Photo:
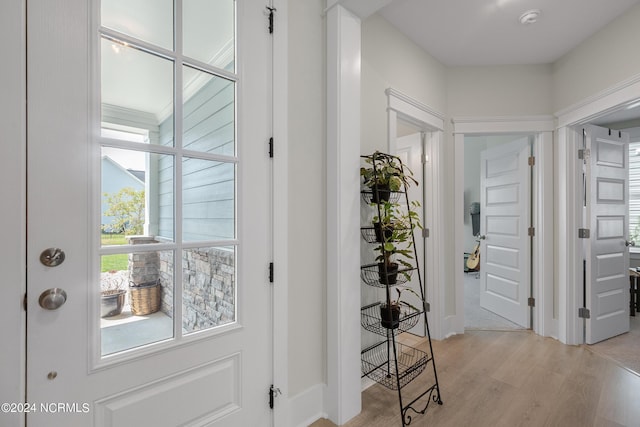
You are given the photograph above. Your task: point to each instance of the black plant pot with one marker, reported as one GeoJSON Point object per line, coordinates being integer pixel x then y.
{"type": "Point", "coordinates": [392, 273]}
{"type": "Point", "coordinates": [380, 193]}
{"type": "Point", "coordinates": [389, 315]}
{"type": "Point", "coordinates": [377, 227]}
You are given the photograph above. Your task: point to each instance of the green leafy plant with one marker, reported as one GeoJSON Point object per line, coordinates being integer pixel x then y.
{"type": "Point", "coordinates": [391, 309]}
{"type": "Point", "coordinates": [396, 224]}
{"type": "Point", "coordinates": [388, 173]}
{"type": "Point", "coordinates": [399, 301]}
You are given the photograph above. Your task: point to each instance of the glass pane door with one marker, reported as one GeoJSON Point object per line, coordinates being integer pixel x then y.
{"type": "Point", "coordinates": [168, 163]}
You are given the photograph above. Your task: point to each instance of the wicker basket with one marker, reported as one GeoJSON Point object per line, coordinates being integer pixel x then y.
{"type": "Point", "coordinates": [145, 298]}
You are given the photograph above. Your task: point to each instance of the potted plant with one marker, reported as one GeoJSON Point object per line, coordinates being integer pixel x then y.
{"type": "Point", "coordinates": [113, 287]}
{"type": "Point", "coordinates": [385, 175]}
{"type": "Point", "coordinates": [390, 310]}
{"type": "Point", "coordinates": [396, 226]}
{"type": "Point", "coordinates": [392, 217]}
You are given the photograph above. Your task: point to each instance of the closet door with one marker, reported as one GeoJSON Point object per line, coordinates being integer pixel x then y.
{"type": "Point", "coordinates": [607, 253]}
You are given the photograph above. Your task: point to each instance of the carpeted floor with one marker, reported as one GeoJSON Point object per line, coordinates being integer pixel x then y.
{"type": "Point", "coordinates": [624, 349]}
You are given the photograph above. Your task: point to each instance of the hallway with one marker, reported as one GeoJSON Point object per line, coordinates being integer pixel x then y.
{"type": "Point", "coordinates": [515, 378]}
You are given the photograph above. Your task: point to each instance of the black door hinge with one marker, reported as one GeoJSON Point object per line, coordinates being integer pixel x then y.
{"type": "Point", "coordinates": [24, 302]}
{"type": "Point", "coordinates": [271, 147]}
{"type": "Point", "coordinates": [273, 393]}
{"type": "Point", "coordinates": [270, 272]}
{"type": "Point", "coordinates": [271, 15]}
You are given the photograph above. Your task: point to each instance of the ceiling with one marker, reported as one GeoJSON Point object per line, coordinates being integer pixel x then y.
{"type": "Point", "coordinates": [488, 32]}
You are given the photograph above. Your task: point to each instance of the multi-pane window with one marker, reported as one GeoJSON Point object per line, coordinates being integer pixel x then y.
{"type": "Point", "coordinates": [168, 169]}
{"type": "Point", "coordinates": [634, 191]}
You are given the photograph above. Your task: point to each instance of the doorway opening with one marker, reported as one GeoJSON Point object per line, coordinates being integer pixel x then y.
{"type": "Point", "coordinates": [624, 348]}
{"type": "Point", "coordinates": [538, 128]}
{"type": "Point", "coordinates": [498, 282]}
{"type": "Point", "coordinates": [415, 134]}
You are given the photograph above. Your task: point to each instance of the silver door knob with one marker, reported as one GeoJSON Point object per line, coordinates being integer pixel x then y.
{"type": "Point", "coordinates": [483, 237]}
{"type": "Point", "coordinates": [52, 299]}
{"type": "Point", "coordinates": [629, 243]}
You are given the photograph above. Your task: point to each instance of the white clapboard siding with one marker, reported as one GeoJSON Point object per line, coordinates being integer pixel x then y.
{"type": "Point", "coordinates": [208, 118]}
{"type": "Point", "coordinates": [208, 189]}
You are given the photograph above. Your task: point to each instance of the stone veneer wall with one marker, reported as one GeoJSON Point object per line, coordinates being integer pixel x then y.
{"type": "Point", "coordinates": [143, 266]}
{"type": "Point", "coordinates": [208, 282]}
{"type": "Point", "coordinates": [208, 286]}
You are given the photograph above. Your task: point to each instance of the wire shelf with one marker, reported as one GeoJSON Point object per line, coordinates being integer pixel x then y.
{"type": "Point", "coordinates": [378, 363]}
{"type": "Point", "coordinates": [382, 196]}
{"type": "Point", "coordinates": [372, 276]}
{"type": "Point", "coordinates": [374, 234]}
{"type": "Point", "coordinates": [370, 234]}
{"type": "Point", "coordinates": [371, 321]}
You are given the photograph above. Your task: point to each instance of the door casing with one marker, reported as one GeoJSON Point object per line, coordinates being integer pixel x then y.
{"type": "Point", "coordinates": [543, 321]}
{"type": "Point", "coordinates": [569, 274]}
{"type": "Point", "coordinates": [13, 218]}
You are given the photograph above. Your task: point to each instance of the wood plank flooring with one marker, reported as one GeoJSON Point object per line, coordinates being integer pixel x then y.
{"type": "Point", "coordinates": [491, 378]}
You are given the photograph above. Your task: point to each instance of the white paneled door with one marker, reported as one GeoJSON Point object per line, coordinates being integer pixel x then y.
{"type": "Point", "coordinates": [409, 150]}
{"type": "Point", "coordinates": [148, 181]}
{"type": "Point", "coordinates": [505, 249]}
{"type": "Point", "coordinates": [607, 254]}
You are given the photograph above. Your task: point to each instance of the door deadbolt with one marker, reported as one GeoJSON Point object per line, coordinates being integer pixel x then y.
{"type": "Point", "coordinates": [52, 257]}
{"type": "Point", "coordinates": [52, 299]}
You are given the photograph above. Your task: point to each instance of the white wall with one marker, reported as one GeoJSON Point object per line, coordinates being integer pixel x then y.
{"type": "Point", "coordinates": [389, 59]}
{"type": "Point", "coordinates": [307, 201]}
{"type": "Point", "coordinates": [508, 90]}
{"type": "Point", "coordinates": [12, 216]}
{"type": "Point", "coordinates": [605, 59]}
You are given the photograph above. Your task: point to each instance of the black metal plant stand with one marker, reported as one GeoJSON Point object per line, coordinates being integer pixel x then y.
{"type": "Point", "coordinates": [388, 362]}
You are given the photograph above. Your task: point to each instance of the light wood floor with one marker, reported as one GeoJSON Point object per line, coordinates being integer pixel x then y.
{"type": "Point", "coordinates": [490, 378]}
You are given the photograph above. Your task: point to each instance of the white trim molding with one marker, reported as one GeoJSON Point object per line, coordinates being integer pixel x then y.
{"type": "Point", "coordinates": [569, 274]}
{"type": "Point", "coordinates": [544, 322]}
{"type": "Point", "coordinates": [503, 124]}
{"type": "Point", "coordinates": [360, 8]}
{"type": "Point", "coordinates": [13, 184]}
{"type": "Point", "coordinates": [413, 110]}
{"type": "Point", "coordinates": [283, 407]}
{"type": "Point", "coordinates": [601, 103]}
{"type": "Point", "coordinates": [430, 121]}
{"type": "Point", "coordinates": [343, 397]}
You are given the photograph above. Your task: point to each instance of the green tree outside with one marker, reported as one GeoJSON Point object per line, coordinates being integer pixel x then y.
{"type": "Point", "coordinates": [127, 208]}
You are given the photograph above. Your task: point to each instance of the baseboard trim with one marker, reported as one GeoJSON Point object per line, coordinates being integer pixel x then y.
{"type": "Point", "coordinates": [449, 326]}
{"type": "Point", "coordinates": [307, 407]}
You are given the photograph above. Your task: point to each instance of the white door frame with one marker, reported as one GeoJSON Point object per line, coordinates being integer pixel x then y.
{"type": "Point", "coordinates": [280, 214]}
{"type": "Point", "coordinates": [13, 218]}
{"type": "Point", "coordinates": [541, 127]}
{"type": "Point", "coordinates": [568, 200]}
{"type": "Point", "coordinates": [401, 106]}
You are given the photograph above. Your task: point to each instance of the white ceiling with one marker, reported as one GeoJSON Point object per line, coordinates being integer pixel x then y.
{"type": "Point", "coordinates": [487, 32]}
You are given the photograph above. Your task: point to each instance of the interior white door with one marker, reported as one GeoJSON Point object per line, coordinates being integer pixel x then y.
{"type": "Point", "coordinates": [134, 80]}
{"type": "Point", "coordinates": [409, 150]}
{"type": "Point", "coordinates": [607, 277]}
{"type": "Point", "coordinates": [505, 248]}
